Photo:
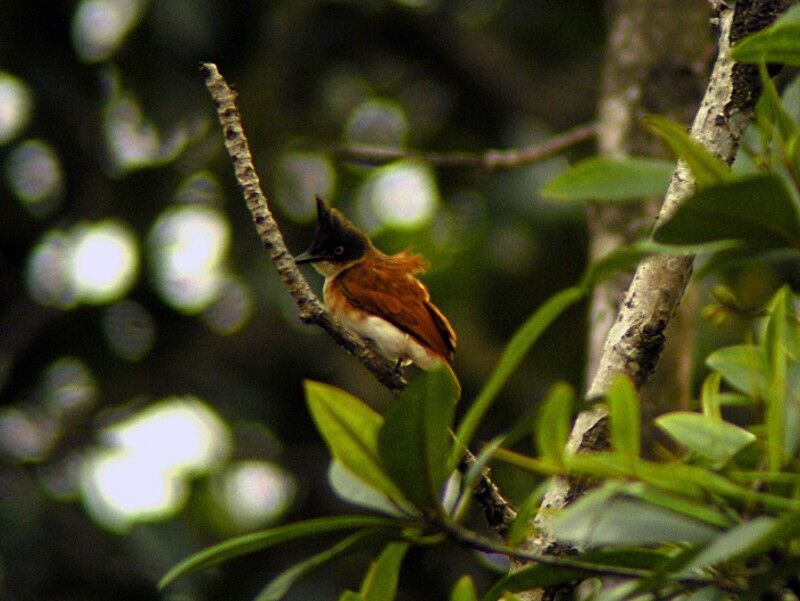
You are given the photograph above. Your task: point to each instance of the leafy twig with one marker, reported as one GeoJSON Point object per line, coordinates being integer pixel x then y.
{"type": "Point", "coordinates": [634, 343]}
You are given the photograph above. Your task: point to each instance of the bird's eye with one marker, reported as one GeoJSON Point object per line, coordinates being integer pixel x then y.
{"type": "Point", "coordinates": [338, 250]}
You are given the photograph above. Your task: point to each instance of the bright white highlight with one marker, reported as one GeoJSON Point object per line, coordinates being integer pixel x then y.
{"type": "Point", "coordinates": [188, 245]}
{"type": "Point", "coordinates": [403, 194]}
{"type": "Point", "coordinates": [16, 106]}
{"type": "Point", "coordinates": [142, 473]}
{"type": "Point", "coordinates": [104, 262]}
{"type": "Point", "coordinates": [256, 492]}
{"type": "Point", "coordinates": [99, 26]}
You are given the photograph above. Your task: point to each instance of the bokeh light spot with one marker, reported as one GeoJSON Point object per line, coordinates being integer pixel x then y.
{"type": "Point", "coordinates": [129, 329]}
{"type": "Point", "coordinates": [69, 386]}
{"type": "Point", "coordinates": [16, 106]}
{"type": "Point", "coordinates": [188, 245]}
{"type": "Point", "coordinates": [47, 272]}
{"type": "Point", "coordinates": [34, 174]}
{"type": "Point", "coordinates": [105, 261]}
{"type": "Point", "coordinates": [232, 307]}
{"type": "Point", "coordinates": [120, 487]}
{"type": "Point", "coordinates": [141, 473]}
{"type": "Point", "coordinates": [23, 436]}
{"type": "Point", "coordinates": [300, 177]}
{"type": "Point", "coordinates": [256, 493]}
{"type": "Point", "coordinates": [377, 122]}
{"type": "Point", "coordinates": [403, 194]}
{"type": "Point", "coordinates": [99, 26]}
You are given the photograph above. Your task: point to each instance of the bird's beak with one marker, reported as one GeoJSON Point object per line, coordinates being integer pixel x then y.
{"type": "Point", "coordinates": [307, 257]}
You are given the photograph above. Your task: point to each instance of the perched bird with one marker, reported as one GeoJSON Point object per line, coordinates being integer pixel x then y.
{"type": "Point", "coordinates": [376, 295]}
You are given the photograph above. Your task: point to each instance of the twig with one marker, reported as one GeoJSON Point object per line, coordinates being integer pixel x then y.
{"type": "Point", "coordinates": [492, 160]}
{"type": "Point", "coordinates": [484, 545]}
{"type": "Point", "coordinates": [311, 309]}
{"type": "Point", "coordinates": [634, 343]}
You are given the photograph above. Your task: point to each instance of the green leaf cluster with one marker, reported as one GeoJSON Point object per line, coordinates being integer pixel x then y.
{"type": "Point", "coordinates": [720, 518]}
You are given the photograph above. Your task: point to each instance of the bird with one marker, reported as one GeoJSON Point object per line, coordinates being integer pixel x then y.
{"type": "Point", "coordinates": [377, 295]}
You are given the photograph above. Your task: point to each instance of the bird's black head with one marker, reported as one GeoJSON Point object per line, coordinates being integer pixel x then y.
{"type": "Point", "coordinates": [336, 240]}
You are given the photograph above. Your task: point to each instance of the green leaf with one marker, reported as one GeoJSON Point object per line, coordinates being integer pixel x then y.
{"type": "Point", "coordinates": [778, 43]}
{"type": "Point", "coordinates": [380, 583]}
{"type": "Point", "coordinates": [464, 590]}
{"type": "Point", "coordinates": [523, 524]}
{"type": "Point", "coordinates": [515, 351]}
{"type": "Point", "coordinates": [604, 517]}
{"type": "Point", "coordinates": [257, 541]}
{"type": "Point", "coordinates": [706, 168]}
{"type": "Point", "coordinates": [699, 510]}
{"type": "Point", "coordinates": [758, 211]}
{"type": "Point", "coordinates": [414, 443]}
{"type": "Point", "coordinates": [626, 419]}
{"type": "Point", "coordinates": [350, 429]}
{"type": "Point", "coordinates": [711, 437]}
{"type": "Point", "coordinates": [536, 576]}
{"type": "Point", "coordinates": [606, 179]}
{"type": "Point", "coordinates": [350, 596]}
{"type": "Point", "coordinates": [351, 488]}
{"type": "Point", "coordinates": [736, 542]}
{"type": "Point", "coordinates": [709, 396]}
{"type": "Point", "coordinates": [775, 346]}
{"type": "Point", "coordinates": [743, 366]}
{"type": "Point", "coordinates": [771, 110]}
{"type": "Point", "coordinates": [552, 429]}
{"type": "Point", "coordinates": [276, 589]}
{"type": "Point", "coordinates": [644, 559]}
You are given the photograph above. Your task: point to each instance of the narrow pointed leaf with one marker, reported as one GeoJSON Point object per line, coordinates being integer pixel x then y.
{"type": "Point", "coordinates": [603, 517]}
{"type": "Point", "coordinates": [776, 343]}
{"type": "Point", "coordinates": [351, 488]}
{"type": "Point", "coordinates": [414, 443]}
{"type": "Point", "coordinates": [257, 541]}
{"type": "Point", "coordinates": [683, 504]}
{"type": "Point", "coordinates": [552, 429]}
{"type": "Point", "coordinates": [380, 583]}
{"type": "Point", "coordinates": [711, 437]}
{"type": "Point", "coordinates": [757, 210]}
{"type": "Point", "coordinates": [778, 43]}
{"type": "Point", "coordinates": [515, 351]}
{"type": "Point", "coordinates": [537, 576]}
{"type": "Point", "coordinates": [626, 420]}
{"type": "Point", "coordinates": [464, 590]}
{"type": "Point", "coordinates": [744, 366]}
{"type": "Point", "coordinates": [276, 589]}
{"type": "Point", "coordinates": [350, 596]}
{"type": "Point", "coordinates": [706, 168]}
{"type": "Point", "coordinates": [770, 108]}
{"type": "Point", "coordinates": [350, 429]}
{"type": "Point", "coordinates": [606, 179]}
{"type": "Point", "coordinates": [710, 395]}
{"type": "Point", "coordinates": [736, 542]}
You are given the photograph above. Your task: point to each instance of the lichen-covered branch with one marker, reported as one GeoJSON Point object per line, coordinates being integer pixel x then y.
{"type": "Point", "coordinates": [497, 509]}
{"type": "Point", "coordinates": [635, 341]}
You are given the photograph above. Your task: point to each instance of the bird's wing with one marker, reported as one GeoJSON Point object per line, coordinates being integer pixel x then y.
{"type": "Point", "coordinates": [403, 301]}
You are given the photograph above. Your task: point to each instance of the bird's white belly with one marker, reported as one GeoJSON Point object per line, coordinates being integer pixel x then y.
{"type": "Point", "coordinates": [387, 339]}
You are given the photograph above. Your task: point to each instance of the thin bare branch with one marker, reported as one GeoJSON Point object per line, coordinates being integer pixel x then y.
{"type": "Point", "coordinates": [492, 160]}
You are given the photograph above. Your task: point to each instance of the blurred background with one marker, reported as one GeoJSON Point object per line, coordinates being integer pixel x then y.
{"type": "Point", "coordinates": [151, 363]}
